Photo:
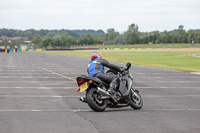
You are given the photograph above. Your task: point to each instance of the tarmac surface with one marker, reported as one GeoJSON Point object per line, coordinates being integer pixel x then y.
{"type": "Point", "coordinates": [38, 95]}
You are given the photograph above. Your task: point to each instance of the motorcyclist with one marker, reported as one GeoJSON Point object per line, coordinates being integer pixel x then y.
{"type": "Point", "coordinates": [96, 69]}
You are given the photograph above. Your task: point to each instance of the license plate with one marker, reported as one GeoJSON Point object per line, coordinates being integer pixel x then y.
{"type": "Point", "coordinates": [83, 87]}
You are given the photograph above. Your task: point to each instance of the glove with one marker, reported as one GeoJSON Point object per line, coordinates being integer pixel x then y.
{"type": "Point", "coordinates": [122, 69]}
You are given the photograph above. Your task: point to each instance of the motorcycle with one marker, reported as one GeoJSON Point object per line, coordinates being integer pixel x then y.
{"type": "Point", "coordinates": [98, 98]}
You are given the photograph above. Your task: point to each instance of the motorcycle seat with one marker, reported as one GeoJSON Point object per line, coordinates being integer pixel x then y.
{"type": "Point", "coordinates": [95, 79]}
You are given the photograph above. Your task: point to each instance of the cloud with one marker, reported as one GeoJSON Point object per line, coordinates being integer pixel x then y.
{"type": "Point", "coordinates": [99, 14]}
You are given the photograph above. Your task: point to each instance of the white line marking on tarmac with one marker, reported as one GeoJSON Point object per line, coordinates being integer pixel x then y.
{"type": "Point", "coordinates": [40, 88]}
{"type": "Point", "coordinates": [48, 110]}
{"type": "Point", "coordinates": [20, 70]}
{"type": "Point", "coordinates": [82, 110]}
{"type": "Point", "coordinates": [174, 73]}
{"type": "Point", "coordinates": [66, 81]}
{"type": "Point", "coordinates": [171, 109]}
{"type": "Point", "coordinates": [58, 96]}
{"type": "Point", "coordinates": [24, 77]}
{"type": "Point", "coordinates": [37, 96]}
{"type": "Point", "coordinates": [170, 96]}
{"type": "Point", "coordinates": [33, 82]}
{"type": "Point", "coordinates": [41, 70]}
{"type": "Point", "coordinates": [46, 88]}
{"type": "Point", "coordinates": [195, 73]}
{"type": "Point", "coordinates": [70, 72]}
{"type": "Point", "coordinates": [27, 73]}
{"type": "Point", "coordinates": [30, 77]}
{"type": "Point", "coordinates": [150, 77]}
{"type": "Point", "coordinates": [43, 73]}
{"type": "Point", "coordinates": [165, 87]}
{"type": "Point", "coordinates": [36, 82]}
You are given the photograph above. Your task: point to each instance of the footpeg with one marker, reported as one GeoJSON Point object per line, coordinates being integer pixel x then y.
{"type": "Point", "coordinates": [83, 99]}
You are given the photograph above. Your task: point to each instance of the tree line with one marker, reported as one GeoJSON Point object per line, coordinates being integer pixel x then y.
{"type": "Point", "coordinates": [66, 38]}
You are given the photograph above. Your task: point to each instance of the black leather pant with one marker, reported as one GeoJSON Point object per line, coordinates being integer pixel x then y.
{"type": "Point", "coordinates": [108, 78]}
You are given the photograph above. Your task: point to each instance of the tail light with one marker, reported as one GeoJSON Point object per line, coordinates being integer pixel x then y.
{"type": "Point", "coordinates": [80, 81]}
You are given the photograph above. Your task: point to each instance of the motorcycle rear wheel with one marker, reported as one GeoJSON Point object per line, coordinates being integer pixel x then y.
{"type": "Point", "coordinates": [136, 101]}
{"type": "Point", "coordinates": [94, 101]}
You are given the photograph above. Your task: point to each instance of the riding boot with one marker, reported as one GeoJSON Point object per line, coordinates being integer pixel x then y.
{"type": "Point", "coordinates": [112, 92]}
{"type": "Point", "coordinates": [111, 89]}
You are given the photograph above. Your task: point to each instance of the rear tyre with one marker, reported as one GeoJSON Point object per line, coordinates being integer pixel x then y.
{"type": "Point", "coordinates": [135, 100]}
{"type": "Point", "coordinates": [94, 100]}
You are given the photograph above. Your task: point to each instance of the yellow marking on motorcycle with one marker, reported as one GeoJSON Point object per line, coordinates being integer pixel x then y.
{"type": "Point", "coordinates": [83, 87]}
{"type": "Point", "coordinates": [58, 74]}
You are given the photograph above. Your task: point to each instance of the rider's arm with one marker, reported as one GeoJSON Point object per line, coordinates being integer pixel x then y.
{"type": "Point", "coordinates": [109, 65]}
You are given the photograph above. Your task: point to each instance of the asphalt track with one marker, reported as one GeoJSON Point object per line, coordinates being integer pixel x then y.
{"type": "Point", "coordinates": [38, 95]}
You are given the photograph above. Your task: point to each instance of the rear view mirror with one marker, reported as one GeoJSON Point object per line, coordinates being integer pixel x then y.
{"type": "Point", "coordinates": [128, 65]}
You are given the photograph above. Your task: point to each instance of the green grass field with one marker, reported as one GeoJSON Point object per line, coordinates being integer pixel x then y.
{"type": "Point", "coordinates": [173, 59]}
{"type": "Point", "coordinates": [173, 45]}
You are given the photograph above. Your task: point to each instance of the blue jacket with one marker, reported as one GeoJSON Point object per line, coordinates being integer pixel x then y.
{"type": "Point", "coordinates": [97, 66]}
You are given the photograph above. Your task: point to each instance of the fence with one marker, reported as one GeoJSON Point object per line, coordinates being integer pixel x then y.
{"type": "Point", "coordinates": [25, 50]}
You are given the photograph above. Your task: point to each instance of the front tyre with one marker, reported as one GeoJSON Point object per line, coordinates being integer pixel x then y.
{"type": "Point", "coordinates": [135, 99]}
{"type": "Point", "coordinates": [94, 100]}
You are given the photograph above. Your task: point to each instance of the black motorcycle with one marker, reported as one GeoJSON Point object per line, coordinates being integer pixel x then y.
{"type": "Point", "coordinates": [98, 98]}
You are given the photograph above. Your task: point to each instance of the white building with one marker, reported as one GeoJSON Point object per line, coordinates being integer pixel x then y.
{"type": "Point", "coordinates": [26, 46]}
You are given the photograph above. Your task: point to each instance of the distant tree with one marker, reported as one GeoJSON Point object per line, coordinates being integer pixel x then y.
{"type": "Point", "coordinates": [132, 34]}
{"type": "Point", "coordinates": [66, 40]}
{"type": "Point", "coordinates": [182, 36]}
{"type": "Point", "coordinates": [7, 32]}
{"type": "Point", "coordinates": [57, 42]}
{"type": "Point", "coordinates": [43, 32]}
{"type": "Point", "coordinates": [98, 40]}
{"type": "Point", "coordinates": [50, 34]}
{"type": "Point", "coordinates": [111, 35]}
{"type": "Point", "coordinates": [18, 33]}
{"type": "Point", "coordinates": [47, 41]}
{"type": "Point", "coordinates": [87, 39]}
{"type": "Point", "coordinates": [174, 36]}
{"type": "Point", "coordinates": [61, 38]}
{"type": "Point", "coordinates": [153, 36]}
{"type": "Point", "coordinates": [190, 37]}
{"type": "Point", "coordinates": [92, 32]}
{"type": "Point", "coordinates": [197, 36]}
{"type": "Point", "coordinates": [4, 43]}
{"type": "Point", "coordinates": [73, 40]}
{"type": "Point", "coordinates": [110, 30]}
{"type": "Point", "coordinates": [28, 34]}
{"type": "Point", "coordinates": [119, 39]}
{"type": "Point", "coordinates": [161, 38]}
{"type": "Point", "coordinates": [17, 43]}
{"type": "Point", "coordinates": [37, 41]}
{"type": "Point", "coordinates": [103, 36]}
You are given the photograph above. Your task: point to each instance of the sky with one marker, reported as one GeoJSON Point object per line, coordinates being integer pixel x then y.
{"type": "Point", "coordinates": [149, 15]}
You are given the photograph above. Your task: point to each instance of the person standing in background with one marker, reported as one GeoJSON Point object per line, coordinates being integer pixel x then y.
{"type": "Point", "coordinates": [8, 49]}
{"type": "Point", "coordinates": [16, 48]}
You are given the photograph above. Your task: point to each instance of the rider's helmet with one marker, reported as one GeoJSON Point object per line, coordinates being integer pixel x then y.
{"type": "Point", "coordinates": [95, 55]}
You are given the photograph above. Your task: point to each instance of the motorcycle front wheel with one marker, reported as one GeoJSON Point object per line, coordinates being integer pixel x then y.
{"type": "Point", "coordinates": [94, 100]}
{"type": "Point", "coordinates": [135, 99]}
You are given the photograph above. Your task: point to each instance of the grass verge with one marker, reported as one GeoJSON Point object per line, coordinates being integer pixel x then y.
{"type": "Point", "coordinates": [173, 59]}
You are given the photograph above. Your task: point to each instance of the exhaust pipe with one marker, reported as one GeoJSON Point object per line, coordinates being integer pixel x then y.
{"type": "Point", "coordinates": [102, 91]}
